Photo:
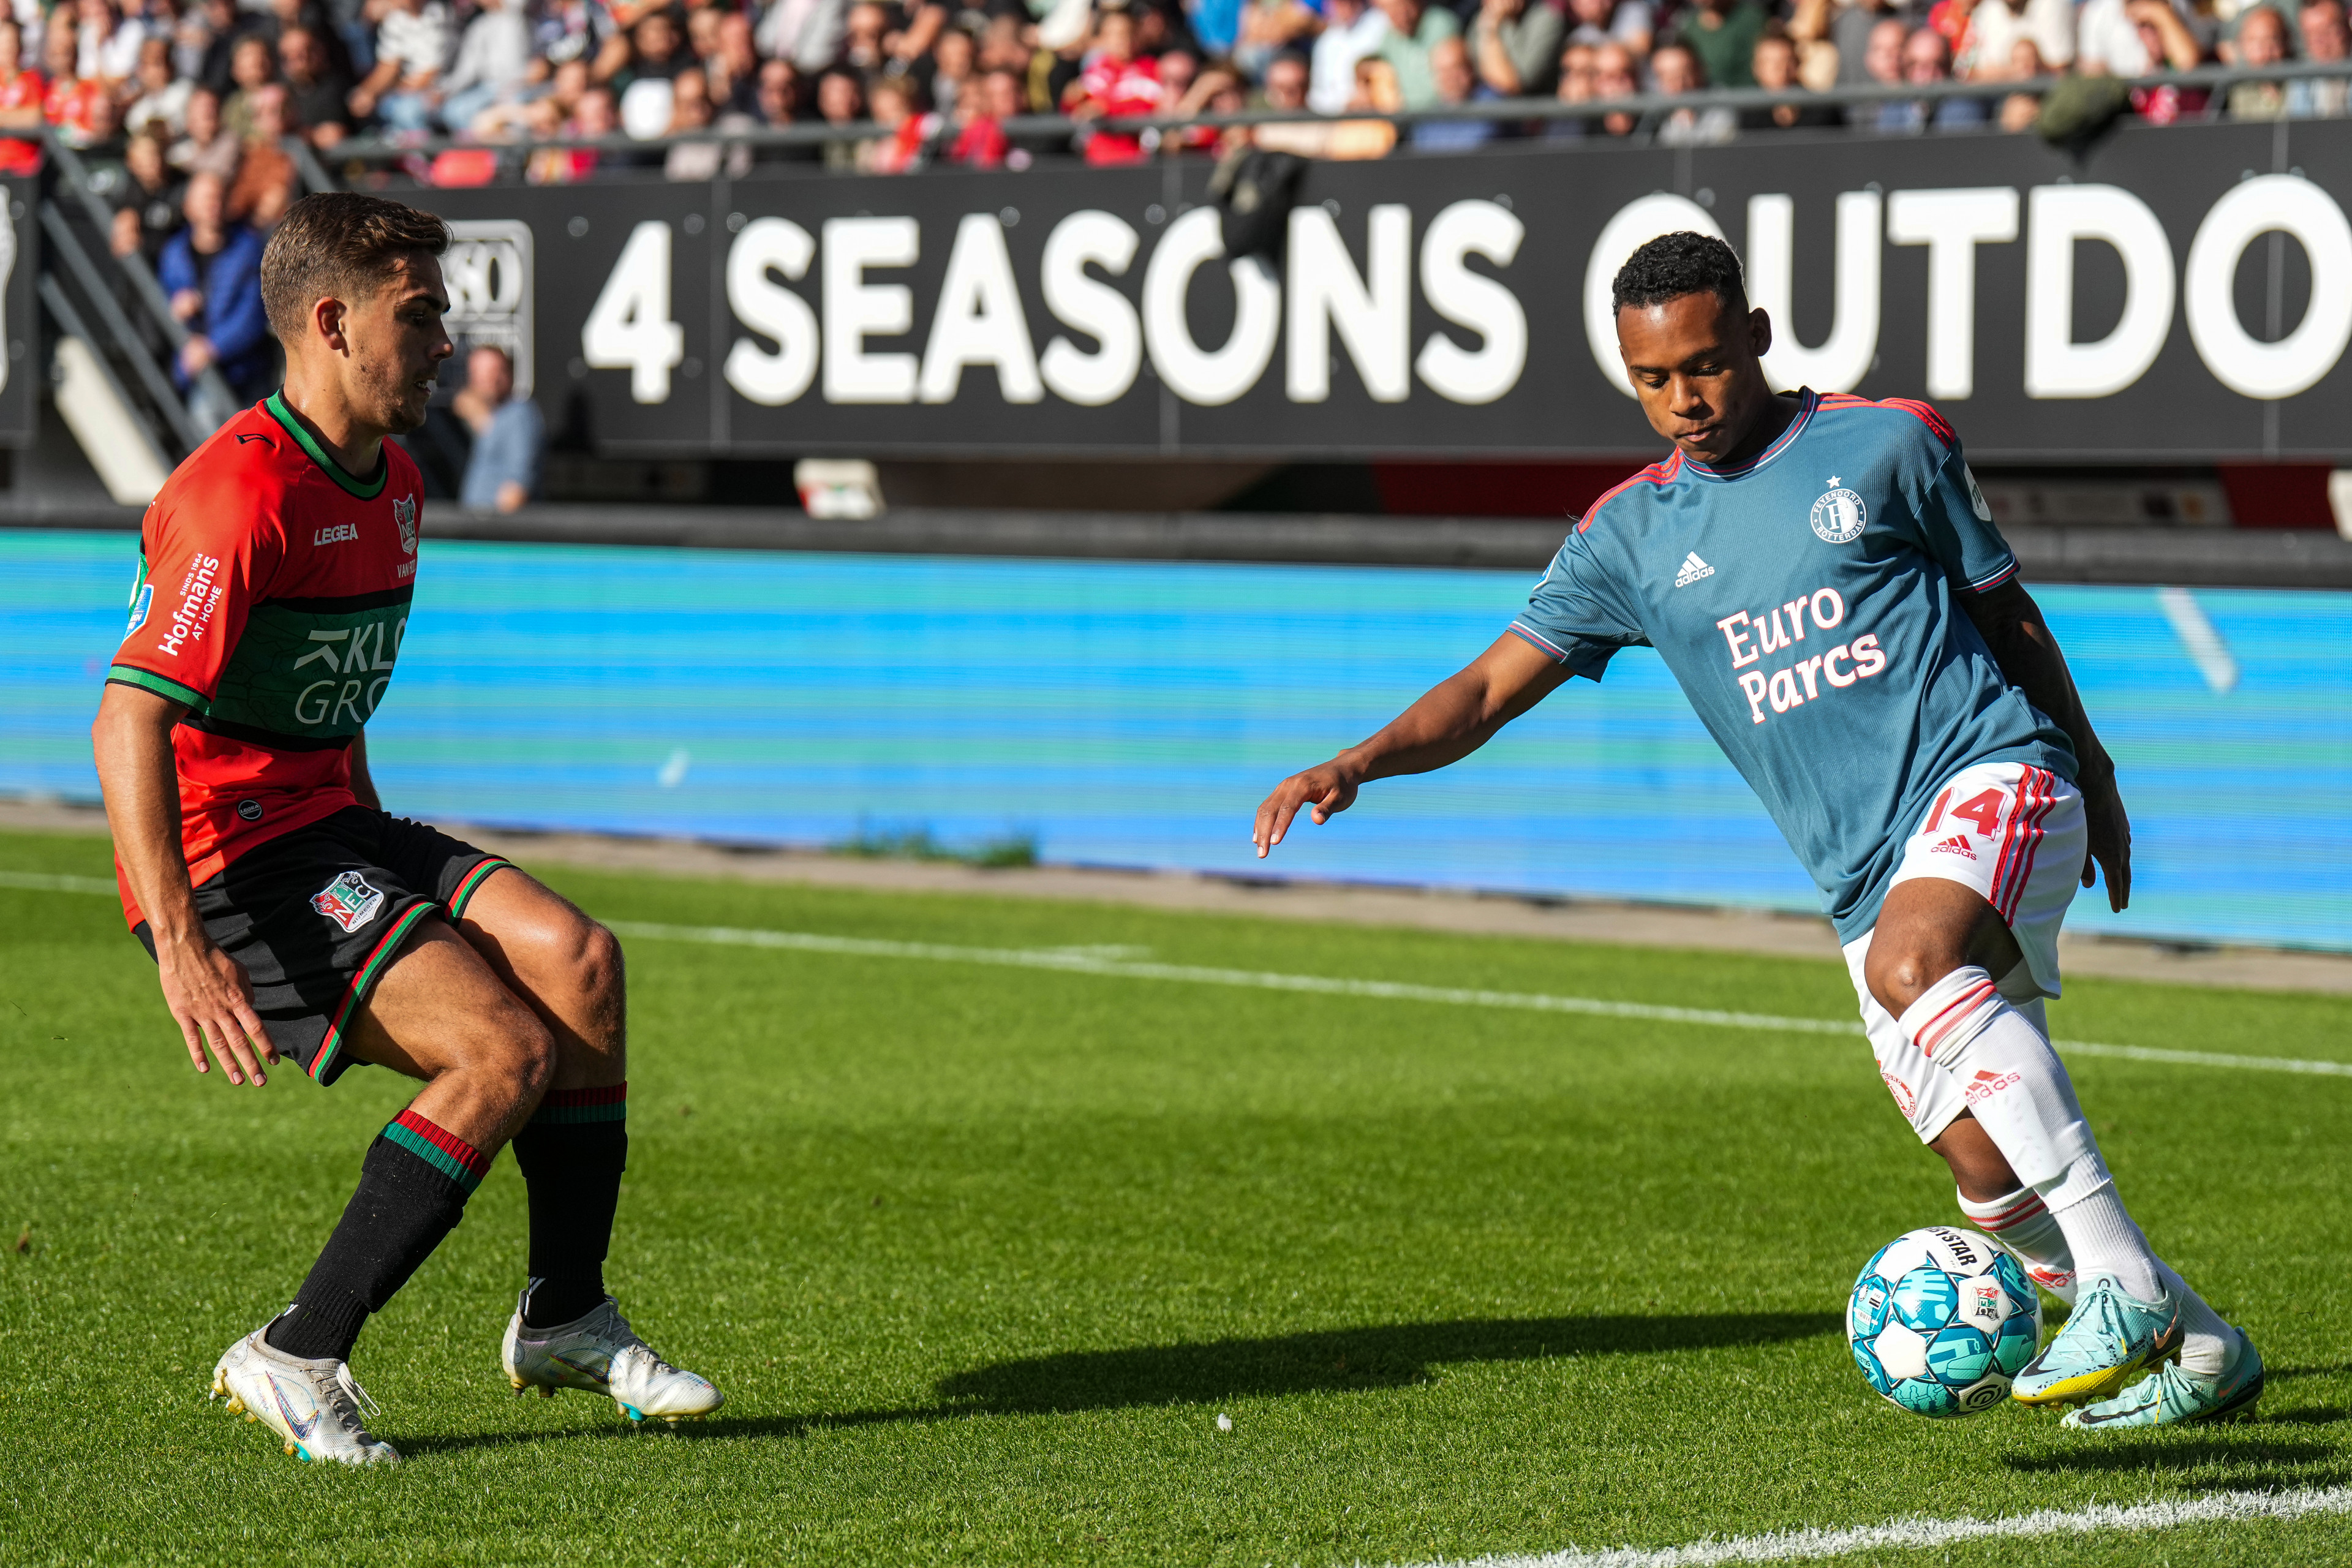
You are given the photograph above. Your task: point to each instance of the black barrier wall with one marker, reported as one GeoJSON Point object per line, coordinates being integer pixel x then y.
{"type": "Point", "coordinates": [2152, 300]}
{"type": "Point", "coordinates": [20, 335]}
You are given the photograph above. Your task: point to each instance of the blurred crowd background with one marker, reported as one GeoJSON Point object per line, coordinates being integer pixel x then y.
{"type": "Point", "coordinates": [192, 101]}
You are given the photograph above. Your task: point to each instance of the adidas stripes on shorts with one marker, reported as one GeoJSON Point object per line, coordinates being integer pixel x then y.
{"type": "Point", "coordinates": [2017, 835]}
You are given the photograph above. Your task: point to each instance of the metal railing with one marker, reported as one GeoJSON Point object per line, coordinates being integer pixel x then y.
{"type": "Point", "coordinates": [84, 285]}
{"type": "Point", "coordinates": [1063, 134]}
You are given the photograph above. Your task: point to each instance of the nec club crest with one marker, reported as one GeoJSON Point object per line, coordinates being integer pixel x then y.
{"type": "Point", "coordinates": [404, 513]}
{"type": "Point", "coordinates": [348, 901]}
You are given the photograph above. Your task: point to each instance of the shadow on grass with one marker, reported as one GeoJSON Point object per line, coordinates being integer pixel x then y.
{"type": "Point", "coordinates": [1341, 1360]}
{"type": "Point", "coordinates": [2177, 1459]}
{"type": "Point", "coordinates": [1330, 1361]}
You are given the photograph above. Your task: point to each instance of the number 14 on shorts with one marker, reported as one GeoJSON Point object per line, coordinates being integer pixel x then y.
{"type": "Point", "coordinates": [1982, 809]}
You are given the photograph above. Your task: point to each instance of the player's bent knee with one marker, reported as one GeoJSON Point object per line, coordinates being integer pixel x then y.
{"type": "Point", "coordinates": [597, 960]}
{"type": "Point", "coordinates": [1898, 974]}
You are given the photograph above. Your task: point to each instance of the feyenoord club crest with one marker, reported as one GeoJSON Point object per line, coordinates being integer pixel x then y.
{"type": "Point", "coordinates": [1839, 516]}
{"type": "Point", "coordinates": [404, 512]}
{"type": "Point", "coordinates": [348, 901]}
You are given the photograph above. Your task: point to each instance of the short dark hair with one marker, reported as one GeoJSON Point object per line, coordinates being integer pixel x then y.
{"type": "Point", "coordinates": [339, 244]}
{"type": "Point", "coordinates": [1674, 265]}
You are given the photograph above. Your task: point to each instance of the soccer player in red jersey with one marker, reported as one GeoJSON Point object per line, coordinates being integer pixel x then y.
{"type": "Point", "coordinates": [291, 918]}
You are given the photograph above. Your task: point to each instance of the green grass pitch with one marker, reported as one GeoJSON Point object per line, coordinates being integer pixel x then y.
{"type": "Point", "coordinates": [980, 1255]}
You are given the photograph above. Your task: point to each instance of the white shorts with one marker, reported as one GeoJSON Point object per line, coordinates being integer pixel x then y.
{"type": "Point", "coordinates": [2017, 835]}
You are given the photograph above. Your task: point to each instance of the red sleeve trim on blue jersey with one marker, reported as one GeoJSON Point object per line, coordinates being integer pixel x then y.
{"type": "Point", "coordinates": [1924, 413]}
{"type": "Point", "coordinates": [1656, 474]}
{"type": "Point", "coordinates": [1996, 579]}
{"type": "Point", "coordinates": [1538, 641]}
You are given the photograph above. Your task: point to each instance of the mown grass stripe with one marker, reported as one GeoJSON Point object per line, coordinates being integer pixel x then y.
{"type": "Point", "coordinates": [1914, 1535]}
{"type": "Point", "coordinates": [1065, 961]}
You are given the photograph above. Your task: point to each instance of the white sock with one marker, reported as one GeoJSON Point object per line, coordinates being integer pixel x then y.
{"type": "Point", "coordinates": [2022, 1222]}
{"type": "Point", "coordinates": [2207, 1343]}
{"type": "Point", "coordinates": [2018, 1090]}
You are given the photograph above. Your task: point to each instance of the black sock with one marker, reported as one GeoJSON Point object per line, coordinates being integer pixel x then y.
{"type": "Point", "coordinates": [572, 1154]}
{"type": "Point", "coordinates": [413, 1189]}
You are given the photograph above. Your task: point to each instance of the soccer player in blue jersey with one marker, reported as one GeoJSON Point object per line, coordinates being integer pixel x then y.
{"type": "Point", "coordinates": [1825, 581]}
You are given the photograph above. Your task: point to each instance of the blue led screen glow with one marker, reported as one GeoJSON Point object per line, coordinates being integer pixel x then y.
{"type": "Point", "coordinates": [1133, 713]}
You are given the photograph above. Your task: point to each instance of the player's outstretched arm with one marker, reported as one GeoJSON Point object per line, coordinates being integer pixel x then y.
{"type": "Point", "coordinates": [210, 997]}
{"type": "Point", "coordinates": [2027, 651]}
{"type": "Point", "coordinates": [1451, 719]}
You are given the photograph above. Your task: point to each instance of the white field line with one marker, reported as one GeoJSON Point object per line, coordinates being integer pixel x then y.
{"type": "Point", "coordinates": [1081, 960]}
{"type": "Point", "coordinates": [39, 882]}
{"type": "Point", "coordinates": [1073, 960]}
{"type": "Point", "coordinates": [1795, 1545]}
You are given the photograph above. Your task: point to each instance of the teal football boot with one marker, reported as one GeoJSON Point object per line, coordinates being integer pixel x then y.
{"type": "Point", "coordinates": [2109, 1339]}
{"type": "Point", "coordinates": [2177, 1398]}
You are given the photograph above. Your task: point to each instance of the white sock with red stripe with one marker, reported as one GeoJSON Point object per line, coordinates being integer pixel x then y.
{"type": "Point", "coordinates": [2022, 1222]}
{"type": "Point", "coordinates": [2018, 1090]}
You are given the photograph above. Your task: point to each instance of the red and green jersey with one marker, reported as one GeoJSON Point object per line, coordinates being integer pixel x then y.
{"type": "Point", "coordinates": [273, 593]}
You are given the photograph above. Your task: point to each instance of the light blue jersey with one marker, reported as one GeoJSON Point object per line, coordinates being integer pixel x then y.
{"type": "Point", "coordinates": [1805, 602]}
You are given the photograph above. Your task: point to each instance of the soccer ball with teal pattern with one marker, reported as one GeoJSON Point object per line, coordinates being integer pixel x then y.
{"type": "Point", "coordinates": [1941, 1320]}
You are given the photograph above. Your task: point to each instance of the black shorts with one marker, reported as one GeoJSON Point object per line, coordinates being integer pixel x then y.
{"type": "Point", "coordinates": [317, 915]}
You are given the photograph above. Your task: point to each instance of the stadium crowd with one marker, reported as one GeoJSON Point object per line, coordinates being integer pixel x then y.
{"type": "Point", "coordinates": [195, 97]}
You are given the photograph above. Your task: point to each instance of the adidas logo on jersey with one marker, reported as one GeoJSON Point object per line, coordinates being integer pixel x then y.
{"type": "Point", "coordinates": [1955, 845]}
{"type": "Point", "coordinates": [1693, 570]}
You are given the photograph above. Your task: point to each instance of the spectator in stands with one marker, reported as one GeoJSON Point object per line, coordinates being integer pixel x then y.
{"type": "Point", "coordinates": [502, 470]}
{"type": "Point", "coordinates": [315, 94]}
{"type": "Point", "coordinates": [1518, 44]}
{"type": "Point", "coordinates": [211, 272]}
{"type": "Point", "coordinates": [1352, 29]}
{"type": "Point", "coordinates": [106, 44]}
{"type": "Point", "coordinates": [1415, 29]}
{"type": "Point", "coordinates": [1721, 38]}
{"type": "Point", "coordinates": [147, 204]}
{"type": "Point", "coordinates": [266, 175]}
{"type": "Point", "coordinates": [1114, 82]}
{"type": "Point", "coordinates": [906, 134]}
{"type": "Point", "coordinates": [207, 148]}
{"type": "Point", "coordinates": [1675, 71]}
{"type": "Point", "coordinates": [1376, 89]}
{"type": "Point", "coordinates": [2022, 110]}
{"type": "Point", "coordinates": [805, 32]}
{"type": "Point", "coordinates": [1882, 63]}
{"type": "Point", "coordinates": [2262, 41]}
{"type": "Point", "coordinates": [2108, 40]}
{"type": "Point", "coordinates": [162, 95]}
{"type": "Point", "coordinates": [1775, 69]}
{"type": "Point", "coordinates": [21, 92]}
{"type": "Point", "coordinates": [1987, 50]}
{"type": "Point", "coordinates": [1455, 83]}
{"type": "Point", "coordinates": [1927, 61]}
{"type": "Point", "coordinates": [863, 36]}
{"type": "Point", "coordinates": [840, 101]}
{"type": "Point", "coordinates": [568, 30]}
{"type": "Point", "coordinates": [1626, 23]}
{"type": "Point", "coordinates": [1613, 77]}
{"type": "Point", "coordinates": [1285, 88]}
{"type": "Point", "coordinates": [1575, 87]}
{"type": "Point", "coordinates": [70, 105]}
{"type": "Point", "coordinates": [251, 65]}
{"type": "Point", "coordinates": [778, 99]}
{"type": "Point", "coordinates": [980, 141]}
{"type": "Point", "coordinates": [1267, 28]}
{"type": "Point", "coordinates": [2164, 41]}
{"type": "Point", "coordinates": [412, 50]}
{"type": "Point", "coordinates": [494, 64]}
{"type": "Point", "coordinates": [653, 60]}
{"type": "Point", "coordinates": [2325, 40]}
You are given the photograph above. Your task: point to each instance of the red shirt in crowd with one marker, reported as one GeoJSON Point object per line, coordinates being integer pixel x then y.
{"type": "Point", "coordinates": [26, 89]}
{"type": "Point", "coordinates": [1119, 88]}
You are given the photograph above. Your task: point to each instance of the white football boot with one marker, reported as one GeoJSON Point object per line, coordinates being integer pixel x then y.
{"type": "Point", "coordinates": [601, 1354]}
{"type": "Point", "coordinates": [314, 1405]}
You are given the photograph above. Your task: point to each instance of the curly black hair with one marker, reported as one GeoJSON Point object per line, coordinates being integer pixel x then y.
{"type": "Point", "coordinates": [1674, 265]}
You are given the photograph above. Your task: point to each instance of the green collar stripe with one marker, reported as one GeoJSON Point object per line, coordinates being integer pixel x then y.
{"type": "Point", "coordinates": [161, 685]}
{"type": "Point", "coordinates": [365, 490]}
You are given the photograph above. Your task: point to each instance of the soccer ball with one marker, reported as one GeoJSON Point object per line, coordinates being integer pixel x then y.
{"type": "Point", "coordinates": [1941, 1322]}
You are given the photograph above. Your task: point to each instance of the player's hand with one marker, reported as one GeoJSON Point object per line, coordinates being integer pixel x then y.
{"type": "Point", "coordinates": [2110, 843]}
{"type": "Point", "coordinates": [211, 999]}
{"type": "Point", "coordinates": [1324, 792]}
